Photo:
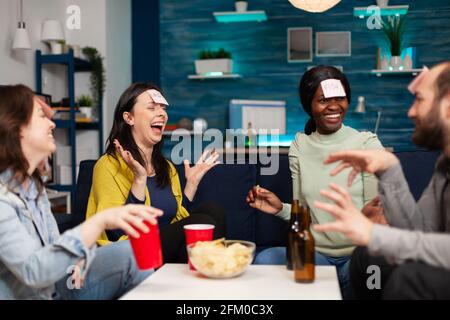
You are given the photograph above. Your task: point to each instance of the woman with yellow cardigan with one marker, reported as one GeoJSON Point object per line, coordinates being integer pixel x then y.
{"type": "Point", "coordinates": [133, 170]}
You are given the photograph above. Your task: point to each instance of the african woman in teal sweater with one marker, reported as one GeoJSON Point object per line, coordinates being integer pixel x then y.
{"type": "Point", "coordinates": [325, 95]}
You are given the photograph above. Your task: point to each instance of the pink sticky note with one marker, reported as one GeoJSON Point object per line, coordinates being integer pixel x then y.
{"type": "Point", "coordinates": [48, 111]}
{"type": "Point", "coordinates": [332, 88]}
{"type": "Point", "coordinates": [412, 87]}
{"type": "Point", "coordinates": [157, 97]}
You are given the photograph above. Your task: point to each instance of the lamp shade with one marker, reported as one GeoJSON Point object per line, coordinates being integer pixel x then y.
{"type": "Point", "coordinates": [314, 5]}
{"type": "Point", "coordinates": [52, 31]}
{"type": "Point", "coordinates": [21, 39]}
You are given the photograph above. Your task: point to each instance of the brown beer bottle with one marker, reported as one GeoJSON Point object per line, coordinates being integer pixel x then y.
{"type": "Point", "coordinates": [293, 225]}
{"type": "Point", "coordinates": [303, 249]}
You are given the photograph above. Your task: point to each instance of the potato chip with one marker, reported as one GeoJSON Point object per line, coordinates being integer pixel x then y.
{"type": "Point", "coordinates": [221, 258]}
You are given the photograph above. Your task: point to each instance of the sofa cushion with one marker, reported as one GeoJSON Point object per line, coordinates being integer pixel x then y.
{"type": "Point", "coordinates": [418, 167]}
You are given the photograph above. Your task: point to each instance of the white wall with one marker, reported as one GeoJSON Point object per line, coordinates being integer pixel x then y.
{"type": "Point", "coordinates": [105, 25]}
{"type": "Point", "coordinates": [118, 46]}
{"type": "Point", "coordinates": [18, 66]}
{"type": "Point", "coordinates": [93, 34]}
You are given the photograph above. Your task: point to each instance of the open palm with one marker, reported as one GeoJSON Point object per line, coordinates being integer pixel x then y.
{"type": "Point", "coordinates": [206, 162]}
{"type": "Point", "coordinates": [138, 170]}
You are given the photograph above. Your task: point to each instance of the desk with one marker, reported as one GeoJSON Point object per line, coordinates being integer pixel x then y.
{"type": "Point", "coordinates": [259, 282]}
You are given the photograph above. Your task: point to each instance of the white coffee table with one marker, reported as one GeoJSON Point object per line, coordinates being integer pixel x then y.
{"type": "Point", "coordinates": [259, 282]}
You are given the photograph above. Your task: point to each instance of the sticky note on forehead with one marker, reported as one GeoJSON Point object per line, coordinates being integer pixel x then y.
{"type": "Point", "coordinates": [45, 108]}
{"type": "Point", "coordinates": [332, 88]}
{"type": "Point", "coordinates": [157, 97]}
{"type": "Point", "coordinates": [412, 87]}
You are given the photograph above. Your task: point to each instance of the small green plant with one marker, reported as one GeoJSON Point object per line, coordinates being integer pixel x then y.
{"type": "Point", "coordinates": [98, 77]}
{"type": "Point", "coordinates": [393, 29]}
{"type": "Point", "coordinates": [85, 100]}
{"type": "Point", "coordinates": [217, 54]}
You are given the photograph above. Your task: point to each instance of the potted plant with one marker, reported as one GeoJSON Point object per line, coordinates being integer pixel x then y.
{"type": "Point", "coordinates": [85, 104]}
{"type": "Point", "coordinates": [241, 6]}
{"type": "Point", "coordinates": [393, 29]}
{"type": "Point", "coordinates": [97, 78]}
{"type": "Point", "coordinates": [210, 61]}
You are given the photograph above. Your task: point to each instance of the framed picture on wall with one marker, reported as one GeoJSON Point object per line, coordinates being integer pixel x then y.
{"type": "Point", "coordinates": [299, 44]}
{"type": "Point", "coordinates": [334, 44]}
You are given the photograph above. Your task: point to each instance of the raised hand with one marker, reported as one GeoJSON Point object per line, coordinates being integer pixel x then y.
{"type": "Point", "coordinates": [206, 162]}
{"type": "Point", "coordinates": [370, 161]}
{"type": "Point", "coordinates": [139, 171]}
{"type": "Point", "coordinates": [349, 220]}
{"type": "Point", "coordinates": [264, 200]}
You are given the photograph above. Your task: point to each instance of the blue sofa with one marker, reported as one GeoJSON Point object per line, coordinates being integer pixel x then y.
{"type": "Point", "coordinates": [228, 185]}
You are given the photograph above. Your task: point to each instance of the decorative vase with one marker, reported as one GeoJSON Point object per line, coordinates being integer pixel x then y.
{"type": "Point", "coordinates": [241, 6]}
{"type": "Point", "coordinates": [76, 51]}
{"type": "Point", "coordinates": [87, 111]}
{"type": "Point", "coordinates": [56, 47]}
{"type": "Point", "coordinates": [384, 65]}
{"type": "Point", "coordinates": [407, 62]}
{"type": "Point", "coordinates": [361, 106]}
{"type": "Point", "coordinates": [207, 66]}
{"type": "Point", "coordinates": [199, 125]}
{"type": "Point", "coordinates": [396, 62]}
{"type": "Point", "coordinates": [382, 3]}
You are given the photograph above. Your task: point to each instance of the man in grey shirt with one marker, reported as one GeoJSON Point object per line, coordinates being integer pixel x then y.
{"type": "Point", "coordinates": [411, 256]}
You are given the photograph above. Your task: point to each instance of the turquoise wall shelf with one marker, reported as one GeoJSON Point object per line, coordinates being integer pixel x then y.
{"type": "Point", "coordinates": [233, 16]}
{"type": "Point", "coordinates": [362, 12]}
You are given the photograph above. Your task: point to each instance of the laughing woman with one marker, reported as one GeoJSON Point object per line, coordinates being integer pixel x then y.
{"type": "Point", "coordinates": [325, 95]}
{"type": "Point", "coordinates": [133, 170]}
{"type": "Point", "coordinates": [34, 258]}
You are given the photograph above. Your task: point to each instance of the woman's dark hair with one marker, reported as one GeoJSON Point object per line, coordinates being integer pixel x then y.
{"type": "Point", "coordinates": [122, 132]}
{"type": "Point", "coordinates": [308, 86]}
{"type": "Point", "coordinates": [16, 109]}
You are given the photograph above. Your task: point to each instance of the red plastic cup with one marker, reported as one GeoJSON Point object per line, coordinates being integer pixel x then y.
{"type": "Point", "coordinates": [198, 232]}
{"type": "Point", "coordinates": [147, 248]}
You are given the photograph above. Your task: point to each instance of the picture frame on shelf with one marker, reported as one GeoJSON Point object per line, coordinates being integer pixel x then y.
{"type": "Point", "coordinates": [334, 44]}
{"type": "Point", "coordinates": [299, 44]}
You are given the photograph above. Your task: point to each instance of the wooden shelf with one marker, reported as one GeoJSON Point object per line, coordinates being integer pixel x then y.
{"type": "Point", "coordinates": [362, 12]}
{"type": "Point", "coordinates": [380, 73]}
{"type": "Point", "coordinates": [234, 16]}
{"type": "Point", "coordinates": [80, 65]}
{"type": "Point", "coordinates": [207, 77]}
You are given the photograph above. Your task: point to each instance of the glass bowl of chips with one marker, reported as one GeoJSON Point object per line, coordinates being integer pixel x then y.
{"type": "Point", "coordinates": [221, 259]}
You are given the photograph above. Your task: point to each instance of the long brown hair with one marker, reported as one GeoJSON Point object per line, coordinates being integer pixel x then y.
{"type": "Point", "coordinates": [16, 109]}
{"type": "Point", "coordinates": [122, 132]}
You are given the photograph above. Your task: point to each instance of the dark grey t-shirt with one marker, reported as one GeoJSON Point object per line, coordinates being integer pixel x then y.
{"type": "Point", "coordinates": [418, 231]}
